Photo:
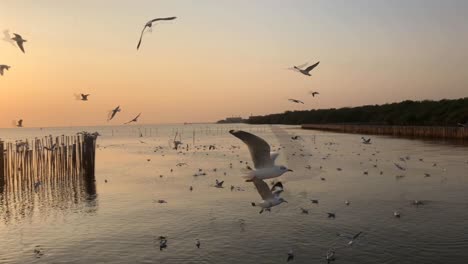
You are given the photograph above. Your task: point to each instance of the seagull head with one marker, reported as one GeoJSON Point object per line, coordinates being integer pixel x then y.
{"type": "Point", "coordinates": [283, 169]}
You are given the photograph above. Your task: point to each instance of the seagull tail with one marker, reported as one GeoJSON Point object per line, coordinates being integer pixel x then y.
{"type": "Point", "coordinates": [249, 175]}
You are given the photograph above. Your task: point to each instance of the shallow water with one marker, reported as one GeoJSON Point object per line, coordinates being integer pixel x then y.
{"type": "Point", "coordinates": [119, 221]}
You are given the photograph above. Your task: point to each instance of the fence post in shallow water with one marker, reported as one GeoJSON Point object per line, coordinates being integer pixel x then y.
{"type": "Point", "coordinates": [2, 168]}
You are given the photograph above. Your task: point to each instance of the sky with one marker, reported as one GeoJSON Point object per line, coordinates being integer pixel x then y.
{"type": "Point", "coordinates": [224, 58]}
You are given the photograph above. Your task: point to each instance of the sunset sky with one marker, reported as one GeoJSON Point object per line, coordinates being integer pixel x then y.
{"type": "Point", "coordinates": [222, 58]}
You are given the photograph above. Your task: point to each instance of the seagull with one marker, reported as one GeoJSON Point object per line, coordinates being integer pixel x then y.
{"type": "Point", "coordinates": [7, 37]}
{"type": "Point", "coordinates": [352, 238]}
{"type": "Point", "coordinates": [304, 211]}
{"type": "Point", "coordinates": [82, 97]}
{"type": "Point", "coordinates": [295, 137]}
{"type": "Point", "coordinates": [331, 215]}
{"type": "Point", "coordinates": [19, 40]}
{"type": "Point", "coordinates": [366, 141]}
{"type": "Point", "coordinates": [307, 70]}
{"type": "Point", "coordinates": [134, 119]}
{"type": "Point", "coordinates": [399, 166]}
{"type": "Point", "coordinates": [161, 201]}
{"type": "Point", "coordinates": [198, 244]}
{"type": "Point", "coordinates": [347, 202]}
{"type": "Point", "coordinates": [270, 196]}
{"type": "Point", "coordinates": [314, 201]}
{"type": "Point", "coordinates": [113, 112]}
{"type": "Point", "coordinates": [330, 256]}
{"type": "Point", "coordinates": [19, 123]}
{"type": "Point", "coordinates": [4, 67]}
{"type": "Point", "coordinates": [263, 159]}
{"type": "Point", "coordinates": [219, 184]}
{"type": "Point", "coordinates": [290, 256]}
{"type": "Point", "coordinates": [162, 243]}
{"type": "Point", "coordinates": [296, 101]}
{"type": "Point", "coordinates": [397, 214]}
{"type": "Point", "coordinates": [149, 25]}
{"type": "Point", "coordinates": [314, 93]}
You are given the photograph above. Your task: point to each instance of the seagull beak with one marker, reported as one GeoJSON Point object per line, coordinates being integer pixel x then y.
{"type": "Point", "coordinates": [290, 170]}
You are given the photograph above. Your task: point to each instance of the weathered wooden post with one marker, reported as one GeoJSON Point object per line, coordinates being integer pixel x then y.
{"type": "Point", "coordinates": [2, 168]}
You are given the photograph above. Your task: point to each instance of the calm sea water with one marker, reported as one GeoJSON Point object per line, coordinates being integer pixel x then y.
{"type": "Point", "coordinates": [119, 221]}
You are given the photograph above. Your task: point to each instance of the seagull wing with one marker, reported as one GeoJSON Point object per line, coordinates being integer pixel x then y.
{"type": "Point", "coordinates": [277, 188]}
{"type": "Point", "coordinates": [262, 189]}
{"type": "Point", "coordinates": [20, 45]}
{"type": "Point", "coordinates": [137, 117]}
{"type": "Point", "coordinates": [311, 67]}
{"type": "Point", "coordinates": [1, 71]}
{"type": "Point", "coordinates": [141, 36]}
{"type": "Point", "coordinates": [162, 18]}
{"type": "Point", "coordinates": [259, 148]}
{"type": "Point", "coordinates": [302, 65]}
{"type": "Point", "coordinates": [273, 156]}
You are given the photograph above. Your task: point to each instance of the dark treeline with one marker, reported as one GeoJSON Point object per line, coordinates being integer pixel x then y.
{"type": "Point", "coordinates": [415, 113]}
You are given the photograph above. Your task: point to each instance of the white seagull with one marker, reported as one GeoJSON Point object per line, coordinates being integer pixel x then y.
{"type": "Point", "coordinates": [270, 196]}
{"type": "Point", "coordinates": [263, 159]}
{"type": "Point", "coordinates": [3, 68]}
{"type": "Point", "coordinates": [149, 25]}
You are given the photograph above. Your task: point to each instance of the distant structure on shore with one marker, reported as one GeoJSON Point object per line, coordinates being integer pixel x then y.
{"type": "Point", "coordinates": [232, 120]}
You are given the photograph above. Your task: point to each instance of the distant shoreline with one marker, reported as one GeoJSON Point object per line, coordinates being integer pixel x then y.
{"type": "Point", "coordinates": [436, 132]}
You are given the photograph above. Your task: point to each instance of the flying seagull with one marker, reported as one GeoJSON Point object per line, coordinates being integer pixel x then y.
{"type": "Point", "coordinates": [113, 112]}
{"type": "Point", "coordinates": [4, 67]}
{"type": "Point", "coordinates": [296, 101]}
{"type": "Point", "coordinates": [149, 25]}
{"type": "Point", "coordinates": [7, 37]}
{"type": "Point", "coordinates": [19, 123]}
{"type": "Point", "coordinates": [82, 97]}
{"type": "Point", "coordinates": [314, 93]}
{"type": "Point", "coordinates": [19, 40]}
{"type": "Point", "coordinates": [351, 238]}
{"type": "Point", "coordinates": [134, 119]}
{"type": "Point", "coordinates": [270, 196]}
{"type": "Point", "coordinates": [263, 159]}
{"type": "Point", "coordinates": [307, 70]}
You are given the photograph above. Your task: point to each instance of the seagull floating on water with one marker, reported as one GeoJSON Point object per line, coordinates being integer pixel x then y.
{"type": "Point", "coordinates": [271, 197]}
{"type": "Point", "coordinates": [352, 238]}
{"type": "Point", "coordinates": [366, 141]}
{"type": "Point", "coordinates": [263, 159]}
{"type": "Point", "coordinates": [4, 67]}
{"type": "Point", "coordinates": [19, 41]}
{"type": "Point", "coordinates": [149, 25]}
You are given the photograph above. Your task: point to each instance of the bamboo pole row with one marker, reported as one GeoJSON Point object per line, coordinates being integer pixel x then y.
{"type": "Point", "coordinates": [25, 164]}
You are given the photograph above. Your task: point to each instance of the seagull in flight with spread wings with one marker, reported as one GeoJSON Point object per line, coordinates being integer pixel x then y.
{"type": "Point", "coordinates": [296, 101]}
{"type": "Point", "coordinates": [149, 25]}
{"type": "Point", "coordinates": [263, 159]}
{"type": "Point", "coordinates": [270, 197]}
{"type": "Point", "coordinates": [313, 93]}
{"type": "Point", "coordinates": [3, 68]}
{"type": "Point", "coordinates": [113, 112]}
{"type": "Point", "coordinates": [307, 70]}
{"type": "Point", "coordinates": [134, 119]}
{"type": "Point", "coordinates": [19, 40]}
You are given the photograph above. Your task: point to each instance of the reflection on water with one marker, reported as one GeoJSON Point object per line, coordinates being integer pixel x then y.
{"type": "Point", "coordinates": [26, 201]}
{"type": "Point", "coordinates": [64, 224]}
